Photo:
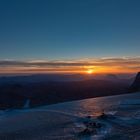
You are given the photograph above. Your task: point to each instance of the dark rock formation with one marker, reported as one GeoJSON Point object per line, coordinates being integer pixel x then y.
{"type": "Point", "coordinates": [136, 84]}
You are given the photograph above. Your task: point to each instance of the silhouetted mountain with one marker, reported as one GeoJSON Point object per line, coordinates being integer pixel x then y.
{"type": "Point", "coordinates": [136, 84]}
{"type": "Point", "coordinates": [37, 78]}
{"type": "Point", "coordinates": [111, 77]}
{"type": "Point", "coordinates": [42, 78]}
{"type": "Point", "coordinates": [121, 78]}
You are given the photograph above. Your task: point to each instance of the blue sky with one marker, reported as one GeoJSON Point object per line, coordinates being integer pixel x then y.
{"type": "Point", "coordinates": [69, 29]}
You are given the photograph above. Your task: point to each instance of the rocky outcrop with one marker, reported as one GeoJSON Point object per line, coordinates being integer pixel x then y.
{"type": "Point", "coordinates": [136, 84]}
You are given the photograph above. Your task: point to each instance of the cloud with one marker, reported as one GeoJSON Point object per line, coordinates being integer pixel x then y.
{"type": "Point", "coordinates": [87, 62]}
{"type": "Point", "coordinates": [128, 63]}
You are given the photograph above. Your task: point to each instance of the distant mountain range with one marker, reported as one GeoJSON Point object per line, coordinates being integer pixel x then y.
{"type": "Point", "coordinates": [36, 78]}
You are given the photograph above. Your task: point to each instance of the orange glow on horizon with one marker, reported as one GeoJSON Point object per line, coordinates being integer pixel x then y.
{"type": "Point", "coordinates": [88, 66]}
{"type": "Point", "coordinates": [70, 70]}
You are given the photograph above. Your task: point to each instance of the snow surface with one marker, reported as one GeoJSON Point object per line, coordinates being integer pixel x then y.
{"type": "Point", "coordinates": [65, 120]}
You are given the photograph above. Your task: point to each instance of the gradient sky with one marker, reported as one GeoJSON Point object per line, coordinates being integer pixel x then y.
{"type": "Point", "coordinates": [69, 29]}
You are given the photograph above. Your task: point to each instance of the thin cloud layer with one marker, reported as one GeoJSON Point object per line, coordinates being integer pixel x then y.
{"type": "Point", "coordinates": [126, 64]}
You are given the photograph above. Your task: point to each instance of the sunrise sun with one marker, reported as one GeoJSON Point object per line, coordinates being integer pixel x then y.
{"type": "Point", "coordinates": [90, 71]}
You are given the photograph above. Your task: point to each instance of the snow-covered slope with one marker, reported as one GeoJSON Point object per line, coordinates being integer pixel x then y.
{"type": "Point", "coordinates": [66, 121]}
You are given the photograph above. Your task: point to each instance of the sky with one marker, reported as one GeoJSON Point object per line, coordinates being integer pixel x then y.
{"type": "Point", "coordinates": [69, 31]}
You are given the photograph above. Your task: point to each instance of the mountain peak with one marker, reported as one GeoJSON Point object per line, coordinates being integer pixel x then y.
{"type": "Point", "coordinates": [136, 84]}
